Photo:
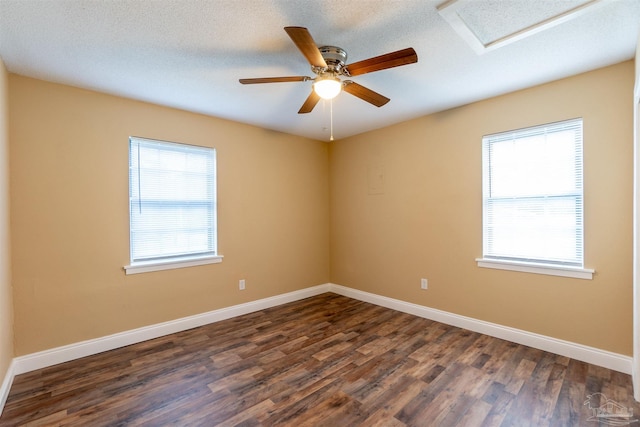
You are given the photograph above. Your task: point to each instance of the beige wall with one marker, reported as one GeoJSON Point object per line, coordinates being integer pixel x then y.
{"type": "Point", "coordinates": [70, 221]}
{"type": "Point", "coordinates": [428, 220]}
{"type": "Point", "coordinates": [6, 302]}
{"type": "Point", "coordinates": [69, 186]}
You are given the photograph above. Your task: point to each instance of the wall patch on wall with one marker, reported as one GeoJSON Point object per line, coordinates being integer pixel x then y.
{"type": "Point", "coordinates": [375, 179]}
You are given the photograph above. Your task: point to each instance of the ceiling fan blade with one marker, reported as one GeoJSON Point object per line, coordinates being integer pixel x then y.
{"type": "Point", "coordinates": [365, 94]}
{"type": "Point", "coordinates": [302, 38]}
{"type": "Point", "coordinates": [274, 80]}
{"type": "Point", "coordinates": [382, 62]}
{"type": "Point", "coordinates": [310, 103]}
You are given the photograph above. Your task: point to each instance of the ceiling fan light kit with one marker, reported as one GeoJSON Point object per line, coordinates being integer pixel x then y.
{"type": "Point", "coordinates": [327, 87]}
{"type": "Point", "coordinates": [328, 63]}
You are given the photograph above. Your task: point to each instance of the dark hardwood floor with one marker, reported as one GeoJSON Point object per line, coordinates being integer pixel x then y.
{"type": "Point", "coordinates": [322, 361]}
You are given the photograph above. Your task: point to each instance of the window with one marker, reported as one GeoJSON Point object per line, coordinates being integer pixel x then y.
{"type": "Point", "coordinates": [533, 200]}
{"type": "Point", "coordinates": [172, 205]}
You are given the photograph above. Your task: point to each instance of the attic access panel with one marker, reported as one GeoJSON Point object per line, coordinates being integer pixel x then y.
{"type": "Point", "coordinates": [489, 24]}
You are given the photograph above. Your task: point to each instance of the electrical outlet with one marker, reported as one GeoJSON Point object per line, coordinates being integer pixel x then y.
{"type": "Point", "coordinates": [423, 283]}
{"type": "Point", "coordinates": [241, 284]}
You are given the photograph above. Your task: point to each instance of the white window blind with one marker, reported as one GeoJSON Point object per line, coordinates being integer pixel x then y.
{"type": "Point", "coordinates": [172, 200]}
{"type": "Point", "coordinates": [533, 195]}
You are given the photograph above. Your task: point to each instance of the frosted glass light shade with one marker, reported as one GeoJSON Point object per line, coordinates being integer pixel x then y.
{"type": "Point", "coordinates": [327, 88]}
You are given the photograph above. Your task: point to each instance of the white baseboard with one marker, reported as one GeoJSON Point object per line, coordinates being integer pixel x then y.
{"type": "Point", "coordinates": [595, 356]}
{"type": "Point", "coordinates": [43, 359]}
{"type": "Point", "coordinates": [6, 385]}
{"type": "Point", "coordinates": [74, 351]}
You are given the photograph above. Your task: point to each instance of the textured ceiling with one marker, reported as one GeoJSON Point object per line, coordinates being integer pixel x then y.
{"type": "Point", "coordinates": [189, 54]}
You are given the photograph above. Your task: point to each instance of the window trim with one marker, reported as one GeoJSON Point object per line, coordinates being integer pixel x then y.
{"type": "Point", "coordinates": [536, 268]}
{"type": "Point", "coordinates": [169, 264]}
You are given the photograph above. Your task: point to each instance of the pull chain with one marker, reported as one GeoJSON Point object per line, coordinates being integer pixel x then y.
{"type": "Point", "coordinates": [331, 113]}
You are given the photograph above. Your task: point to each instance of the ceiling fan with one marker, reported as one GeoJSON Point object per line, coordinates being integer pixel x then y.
{"type": "Point", "coordinates": [328, 63]}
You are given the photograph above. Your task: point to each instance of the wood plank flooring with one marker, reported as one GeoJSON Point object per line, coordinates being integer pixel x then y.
{"type": "Point", "coordinates": [323, 361]}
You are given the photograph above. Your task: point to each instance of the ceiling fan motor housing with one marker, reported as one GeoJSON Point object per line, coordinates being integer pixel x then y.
{"type": "Point", "coordinates": [335, 57]}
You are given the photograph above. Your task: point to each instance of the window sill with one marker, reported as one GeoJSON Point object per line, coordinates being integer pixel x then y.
{"type": "Point", "coordinates": [551, 270]}
{"type": "Point", "coordinates": [145, 267]}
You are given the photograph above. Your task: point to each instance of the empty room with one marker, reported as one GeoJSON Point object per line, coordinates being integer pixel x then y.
{"type": "Point", "coordinates": [319, 213]}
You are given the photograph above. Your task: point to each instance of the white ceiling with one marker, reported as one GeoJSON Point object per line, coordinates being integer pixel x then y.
{"type": "Point", "coordinates": [189, 54]}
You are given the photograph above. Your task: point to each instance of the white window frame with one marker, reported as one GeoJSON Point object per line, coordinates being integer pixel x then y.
{"type": "Point", "coordinates": [492, 258]}
{"type": "Point", "coordinates": [142, 263]}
